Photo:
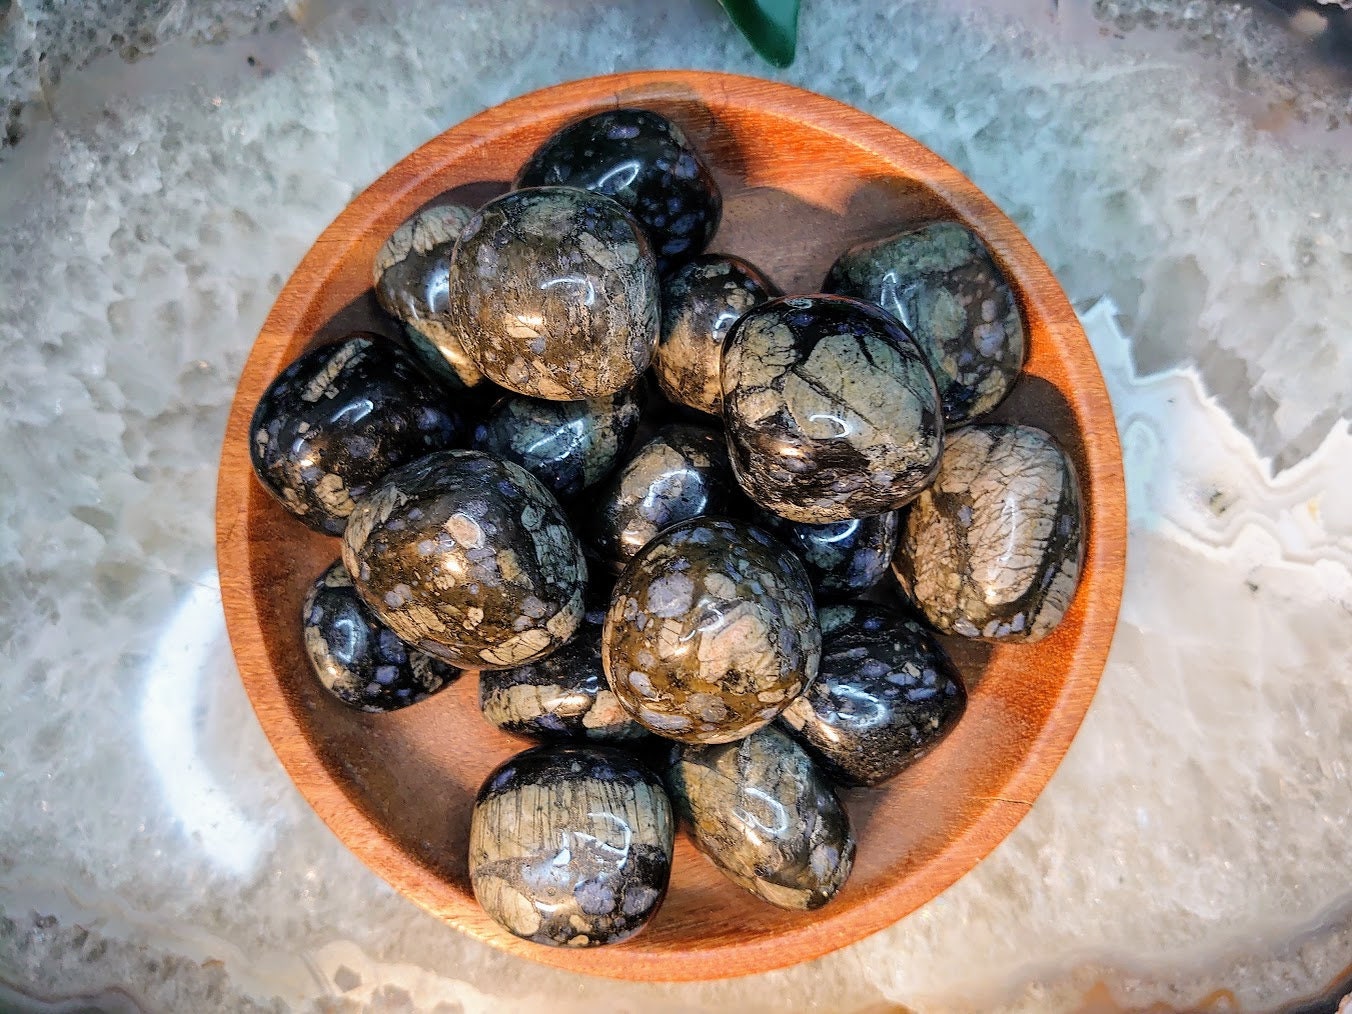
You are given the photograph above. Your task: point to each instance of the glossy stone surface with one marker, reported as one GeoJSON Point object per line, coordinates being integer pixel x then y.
{"type": "Point", "coordinates": [885, 695]}
{"type": "Point", "coordinates": [567, 445]}
{"type": "Point", "coordinates": [644, 161]}
{"type": "Point", "coordinates": [555, 293]}
{"type": "Point", "coordinates": [993, 549]}
{"type": "Point", "coordinates": [563, 696]}
{"type": "Point", "coordinates": [468, 558]}
{"type": "Point", "coordinates": [942, 283]}
{"type": "Point", "coordinates": [830, 409]}
{"type": "Point", "coordinates": [357, 658]}
{"type": "Point", "coordinates": [571, 846]}
{"type": "Point", "coordinates": [700, 302]}
{"type": "Point", "coordinates": [711, 632]}
{"type": "Point", "coordinates": [765, 816]}
{"type": "Point", "coordinates": [411, 277]}
{"type": "Point", "coordinates": [340, 417]}
{"type": "Point", "coordinates": [682, 472]}
{"type": "Point", "coordinates": [842, 558]}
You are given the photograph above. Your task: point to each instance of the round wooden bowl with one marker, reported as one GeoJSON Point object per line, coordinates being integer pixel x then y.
{"type": "Point", "coordinates": [803, 177]}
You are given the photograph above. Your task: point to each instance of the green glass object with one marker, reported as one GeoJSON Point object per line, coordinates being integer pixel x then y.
{"type": "Point", "coordinates": [771, 26]}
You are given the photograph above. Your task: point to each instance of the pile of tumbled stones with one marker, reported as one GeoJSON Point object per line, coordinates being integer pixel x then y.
{"type": "Point", "coordinates": [645, 496]}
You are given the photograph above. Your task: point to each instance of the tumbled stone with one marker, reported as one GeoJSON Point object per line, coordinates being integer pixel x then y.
{"type": "Point", "coordinates": [358, 659]}
{"type": "Point", "coordinates": [700, 303]}
{"type": "Point", "coordinates": [554, 292]}
{"type": "Point", "coordinates": [567, 445]}
{"type": "Point", "coordinates": [830, 410]}
{"type": "Point", "coordinates": [643, 161]}
{"type": "Point", "coordinates": [571, 846]}
{"type": "Point", "coordinates": [411, 276]}
{"type": "Point", "coordinates": [842, 558]}
{"type": "Point", "coordinates": [993, 549]}
{"type": "Point", "coordinates": [885, 695]}
{"type": "Point", "coordinates": [711, 632]}
{"type": "Point", "coordinates": [765, 816]}
{"type": "Point", "coordinates": [468, 558]}
{"type": "Point", "coordinates": [682, 472]}
{"type": "Point", "coordinates": [941, 282]}
{"type": "Point", "coordinates": [335, 421]}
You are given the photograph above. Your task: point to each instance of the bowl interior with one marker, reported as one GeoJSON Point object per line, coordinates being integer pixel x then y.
{"type": "Point", "coordinates": [803, 177]}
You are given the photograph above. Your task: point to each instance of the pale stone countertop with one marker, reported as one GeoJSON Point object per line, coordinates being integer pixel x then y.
{"type": "Point", "coordinates": [1183, 166]}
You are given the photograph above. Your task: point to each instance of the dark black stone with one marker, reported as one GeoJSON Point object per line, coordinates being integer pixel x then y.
{"type": "Point", "coordinates": [842, 558]}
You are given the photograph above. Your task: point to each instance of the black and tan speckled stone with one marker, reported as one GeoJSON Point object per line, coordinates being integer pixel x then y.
{"type": "Point", "coordinates": [766, 817]}
{"type": "Point", "coordinates": [993, 549]}
{"type": "Point", "coordinates": [357, 658]}
{"type": "Point", "coordinates": [642, 160]}
{"type": "Point", "coordinates": [831, 412]}
{"type": "Point", "coordinates": [411, 276]}
{"type": "Point", "coordinates": [337, 419]}
{"type": "Point", "coordinates": [571, 846]}
{"type": "Point", "coordinates": [885, 695]}
{"type": "Point", "coordinates": [555, 293]}
{"type": "Point", "coordinates": [842, 558]}
{"type": "Point", "coordinates": [567, 445]}
{"type": "Point", "coordinates": [942, 283]}
{"type": "Point", "coordinates": [700, 303]}
{"type": "Point", "coordinates": [468, 558]}
{"type": "Point", "coordinates": [711, 632]}
{"type": "Point", "coordinates": [563, 696]}
{"type": "Point", "coordinates": [682, 472]}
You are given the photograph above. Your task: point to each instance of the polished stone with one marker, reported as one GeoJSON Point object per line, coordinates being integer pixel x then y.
{"type": "Point", "coordinates": [341, 416]}
{"type": "Point", "coordinates": [885, 695]}
{"type": "Point", "coordinates": [358, 659]}
{"type": "Point", "coordinates": [567, 445]}
{"type": "Point", "coordinates": [942, 283]}
{"type": "Point", "coordinates": [554, 291]}
{"type": "Point", "coordinates": [561, 696]}
{"type": "Point", "coordinates": [682, 472]}
{"type": "Point", "coordinates": [830, 409]}
{"type": "Point", "coordinates": [468, 558]}
{"type": "Point", "coordinates": [700, 303]}
{"type": "Point", "coordinates": [711, 632]}
{"type": "Point", "coordinates": [762, 812]}
{"type": "Point", "coordinates": [411, 278]}
{"type": "Point", "coordinates": [842, 558]}
{"type": "Point", "coordinates": [644, 161]}
{"type": "Point", "coordinates": [571, 846]}
{"type": "Point", "coordinates": [993, 549]}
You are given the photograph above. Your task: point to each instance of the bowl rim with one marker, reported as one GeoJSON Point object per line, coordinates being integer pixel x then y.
{"type": "Point", "coordinates": [829, 930]}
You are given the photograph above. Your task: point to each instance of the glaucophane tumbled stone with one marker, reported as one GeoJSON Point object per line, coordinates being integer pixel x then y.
{"type": "Point", "coordinates": [680, 473]}
{"type": "Point", "coordinates": [942, 283]}
{"type": "Point", "coordinates": [567, 445]}
{"type": "Point", "coordinates": [562, 696]}
{"type": "Point", "coordinates": [700, 303]}
{"type": "Point", "coordinates": [335, 421]}
{"type": "Point", "coordinates": [644, 161]}
{"type": "Point", "coordinates": [357, 658]}
{"type": "Point", "coordinates": [411, 276]}
{"type": "Point", "coordinates": [555, 292]}
{"type": "Point", "coordinates": [830, 410]}
{"type": "Point", "coordinates": [765, 816]}
{"type": "Point", "coordinates": [711, 632]}
{"type": "Point", "coordinates": [469, 558]}
{"type": "Point", "coordinates": [993, 549]}
{"type": "Point", "coordinates": [885, 695]}
{"type": "Point", "coordinates": [571, 845]}
{"type": "Point", "coordinates": [842, 558]}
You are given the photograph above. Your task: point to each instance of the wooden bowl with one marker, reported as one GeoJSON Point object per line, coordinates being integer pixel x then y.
{"type": "Point", "coordinates": [803, 177]}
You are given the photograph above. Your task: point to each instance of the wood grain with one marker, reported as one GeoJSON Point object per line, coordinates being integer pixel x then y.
{"type": "Point", "coordinates": [803, 177]}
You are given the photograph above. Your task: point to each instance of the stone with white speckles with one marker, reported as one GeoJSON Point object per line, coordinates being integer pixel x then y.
{"type": "Point", "coordinates": [993, 549]}
{"type": "Point", "coordinates": [571, 846]}
{"type": "Point", "coordinates": [830, 410]}
{"type": "Point", "coordinates": [842, 558]}
{"type": "Point", "coordinates": [468, 558]}
{"type": "Point", "coordinates": [554, 292]}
